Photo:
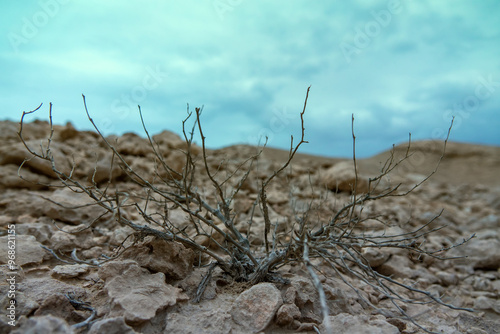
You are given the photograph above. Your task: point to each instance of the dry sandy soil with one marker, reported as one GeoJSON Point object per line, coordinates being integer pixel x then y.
{"type": "Point", "coordinates": [61, 282]}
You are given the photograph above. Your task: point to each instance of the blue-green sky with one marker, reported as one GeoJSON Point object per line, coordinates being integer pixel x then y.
{"type": "Point", "coordinates": [399, 66]}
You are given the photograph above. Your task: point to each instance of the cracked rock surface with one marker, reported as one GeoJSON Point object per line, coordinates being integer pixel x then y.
{"type": "Point", "coordinates": [101, 277]}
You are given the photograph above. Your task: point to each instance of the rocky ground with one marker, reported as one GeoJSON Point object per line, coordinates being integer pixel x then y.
{"type": "Point", "coordinates": [61, 284]}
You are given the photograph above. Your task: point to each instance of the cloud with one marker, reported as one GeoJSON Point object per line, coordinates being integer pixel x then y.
{"type": "Point", "coordinates": [249, 63]}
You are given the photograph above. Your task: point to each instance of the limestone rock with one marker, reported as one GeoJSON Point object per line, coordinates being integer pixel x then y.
{"type": "Point", "coordinates": [191, 282]}
{"type": "Point", "coordinates": [111, 326]}
{"type": "Point", "coordinates": [170, 258]}
{"type": "Point", "coordinates": [341, 178]}
{"type": "Point", "coordinates": [345, 323]}
{"type": "Point", "coordinates": [24, 306]}
{"type": "Point", "coordinates": [447, 278]}
{"type": "Point", "coordinates": [137, 295]}
{"type": "Point", "coordinates": [28, 180]}
{"type": "Point", "coordinates": [207, 322]}
{"type": "Point", "coordinates": [119, 234]}
{"type": "Point", "coordinates": [41, 228]}
{"type": "Point", "coordinates": [397, 266]}
{"type": "Point", "coordinates": [340, 298]}
{"type": "Point", "coordinates": [69, 270]}
{"type": "Point", "coordinates": [466, 320]}
{"type": "Point", "coordinates": [72, 209]}
{"type": "Point", "coordinates": [374, 256]}
{"type": "Point", "coordinates": [21, 201]}
{"type": "Point", "coordinates": [481, 253]}
{"type": "Point", "coordinates": [40, 289]}
{"type": "Point", "coordinates": [132, 144]}
{"type": "Point", "coordinates": [59, 306]}
{"type": "Point", "coordinates": [92, 253]}
{"type": "Point", "coordinates": [130, 293]}
{"type": "Point", "coordinates": [276, 197]}
{"type": "Point", "coordinates": [8, 131]}
{"type": "Point", "coordinates": [28, 250]}
{"type": "Point", "coordinates": [306, 298]}
{"type": "Point", "coordinates": [255, 308]}
{"type": "Point", "coordinates": [44, 324]}
{"type": "Point", "coordinates": [114, 268]}
{"type": "Point", "coordinates": [6, 220]}
{"type": "Point", "coordinates": [179, 218]}
{"type": "Point", "coordinates": [488, 222]}
{"type": "Point", "coordinates": [102, 168]}
{"type": "Point", "coordinates": [168, 140]}
{"type": "Point", "coordinates": [68, 132]}
{"type": "Point", "coordinates": [485, 303]}
{"type": "Point", "coordinates": [17, 153]}
{"type": "Point", "coordinates": [287, 313]}
{"type": "Point", "coordinates": [6, 273]}
{"type": "Point", "coordinates": [175, 160]}
{"type": "Point", "coordinates": [78, 237]}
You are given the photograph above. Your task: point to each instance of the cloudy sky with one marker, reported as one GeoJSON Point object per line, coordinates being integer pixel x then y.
{"type": "Point", "coordinates": [399, 66]}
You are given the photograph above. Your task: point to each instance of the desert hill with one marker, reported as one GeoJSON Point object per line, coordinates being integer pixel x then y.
{"type": "Point", "coordinates": [463, 163]}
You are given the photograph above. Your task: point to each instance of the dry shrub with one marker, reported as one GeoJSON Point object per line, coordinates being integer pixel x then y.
{"type": "Point", "coordinates": [211, 229]}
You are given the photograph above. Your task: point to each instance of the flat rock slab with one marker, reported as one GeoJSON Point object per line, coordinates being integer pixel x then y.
{"type": "Point", "coordinates": [27, 250]}
{"type": "Point", "coordinates": [170, 258]}
{"type": "Point", "coordinates": [479, 253]}
{"type": "Point", "coordinates": [111, 326]}
{"type": "Point", "coordinates": [44, 324]}
{"type": "Point", "coordinates": [207, 322]}
{"type": "Point", "coordinates": [255, 308]}
{"type": "Point", "coordinates": [41, 289]}
{"type": "Point", "coordinates": [137, 295]}
{"type": "Point", "coordinates": [69, 270]}
{"type": "Point", "coordinates": [345, 323]}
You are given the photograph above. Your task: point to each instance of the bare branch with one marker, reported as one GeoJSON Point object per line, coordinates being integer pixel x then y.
{"type": "Point", "coordinates": [335, 238]}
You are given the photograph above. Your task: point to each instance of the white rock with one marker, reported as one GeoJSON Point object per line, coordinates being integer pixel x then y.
{"type": "Point", "coordinates": [208, 322]}
{"type": "Point", "coordinates": [255, 308]}
{"type": "Point", "coordinates": [479, 253]}
{"type": "Point", "coordinates": [341, 178]}
{"type": "Point", "coordinates": [27, 250]}
{"type": "Point", "coordinates": [168, 257]}
{"type": "Point", "coordinates": [69, 270]}
{"type": "Point", "coordinates": [111, 326]}
{"type": "Point", "coordinates": [137, 295]}
{"type": "Point", "coordinates": [345, 323]}
{"type": "Point", "coordinates": [374, 256]}
{"type": "Point", "coordinates": [44, 324]}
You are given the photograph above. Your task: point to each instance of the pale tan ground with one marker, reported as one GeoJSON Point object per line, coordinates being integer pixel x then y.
{"type": "Point", "coordinates": [466, 186]}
